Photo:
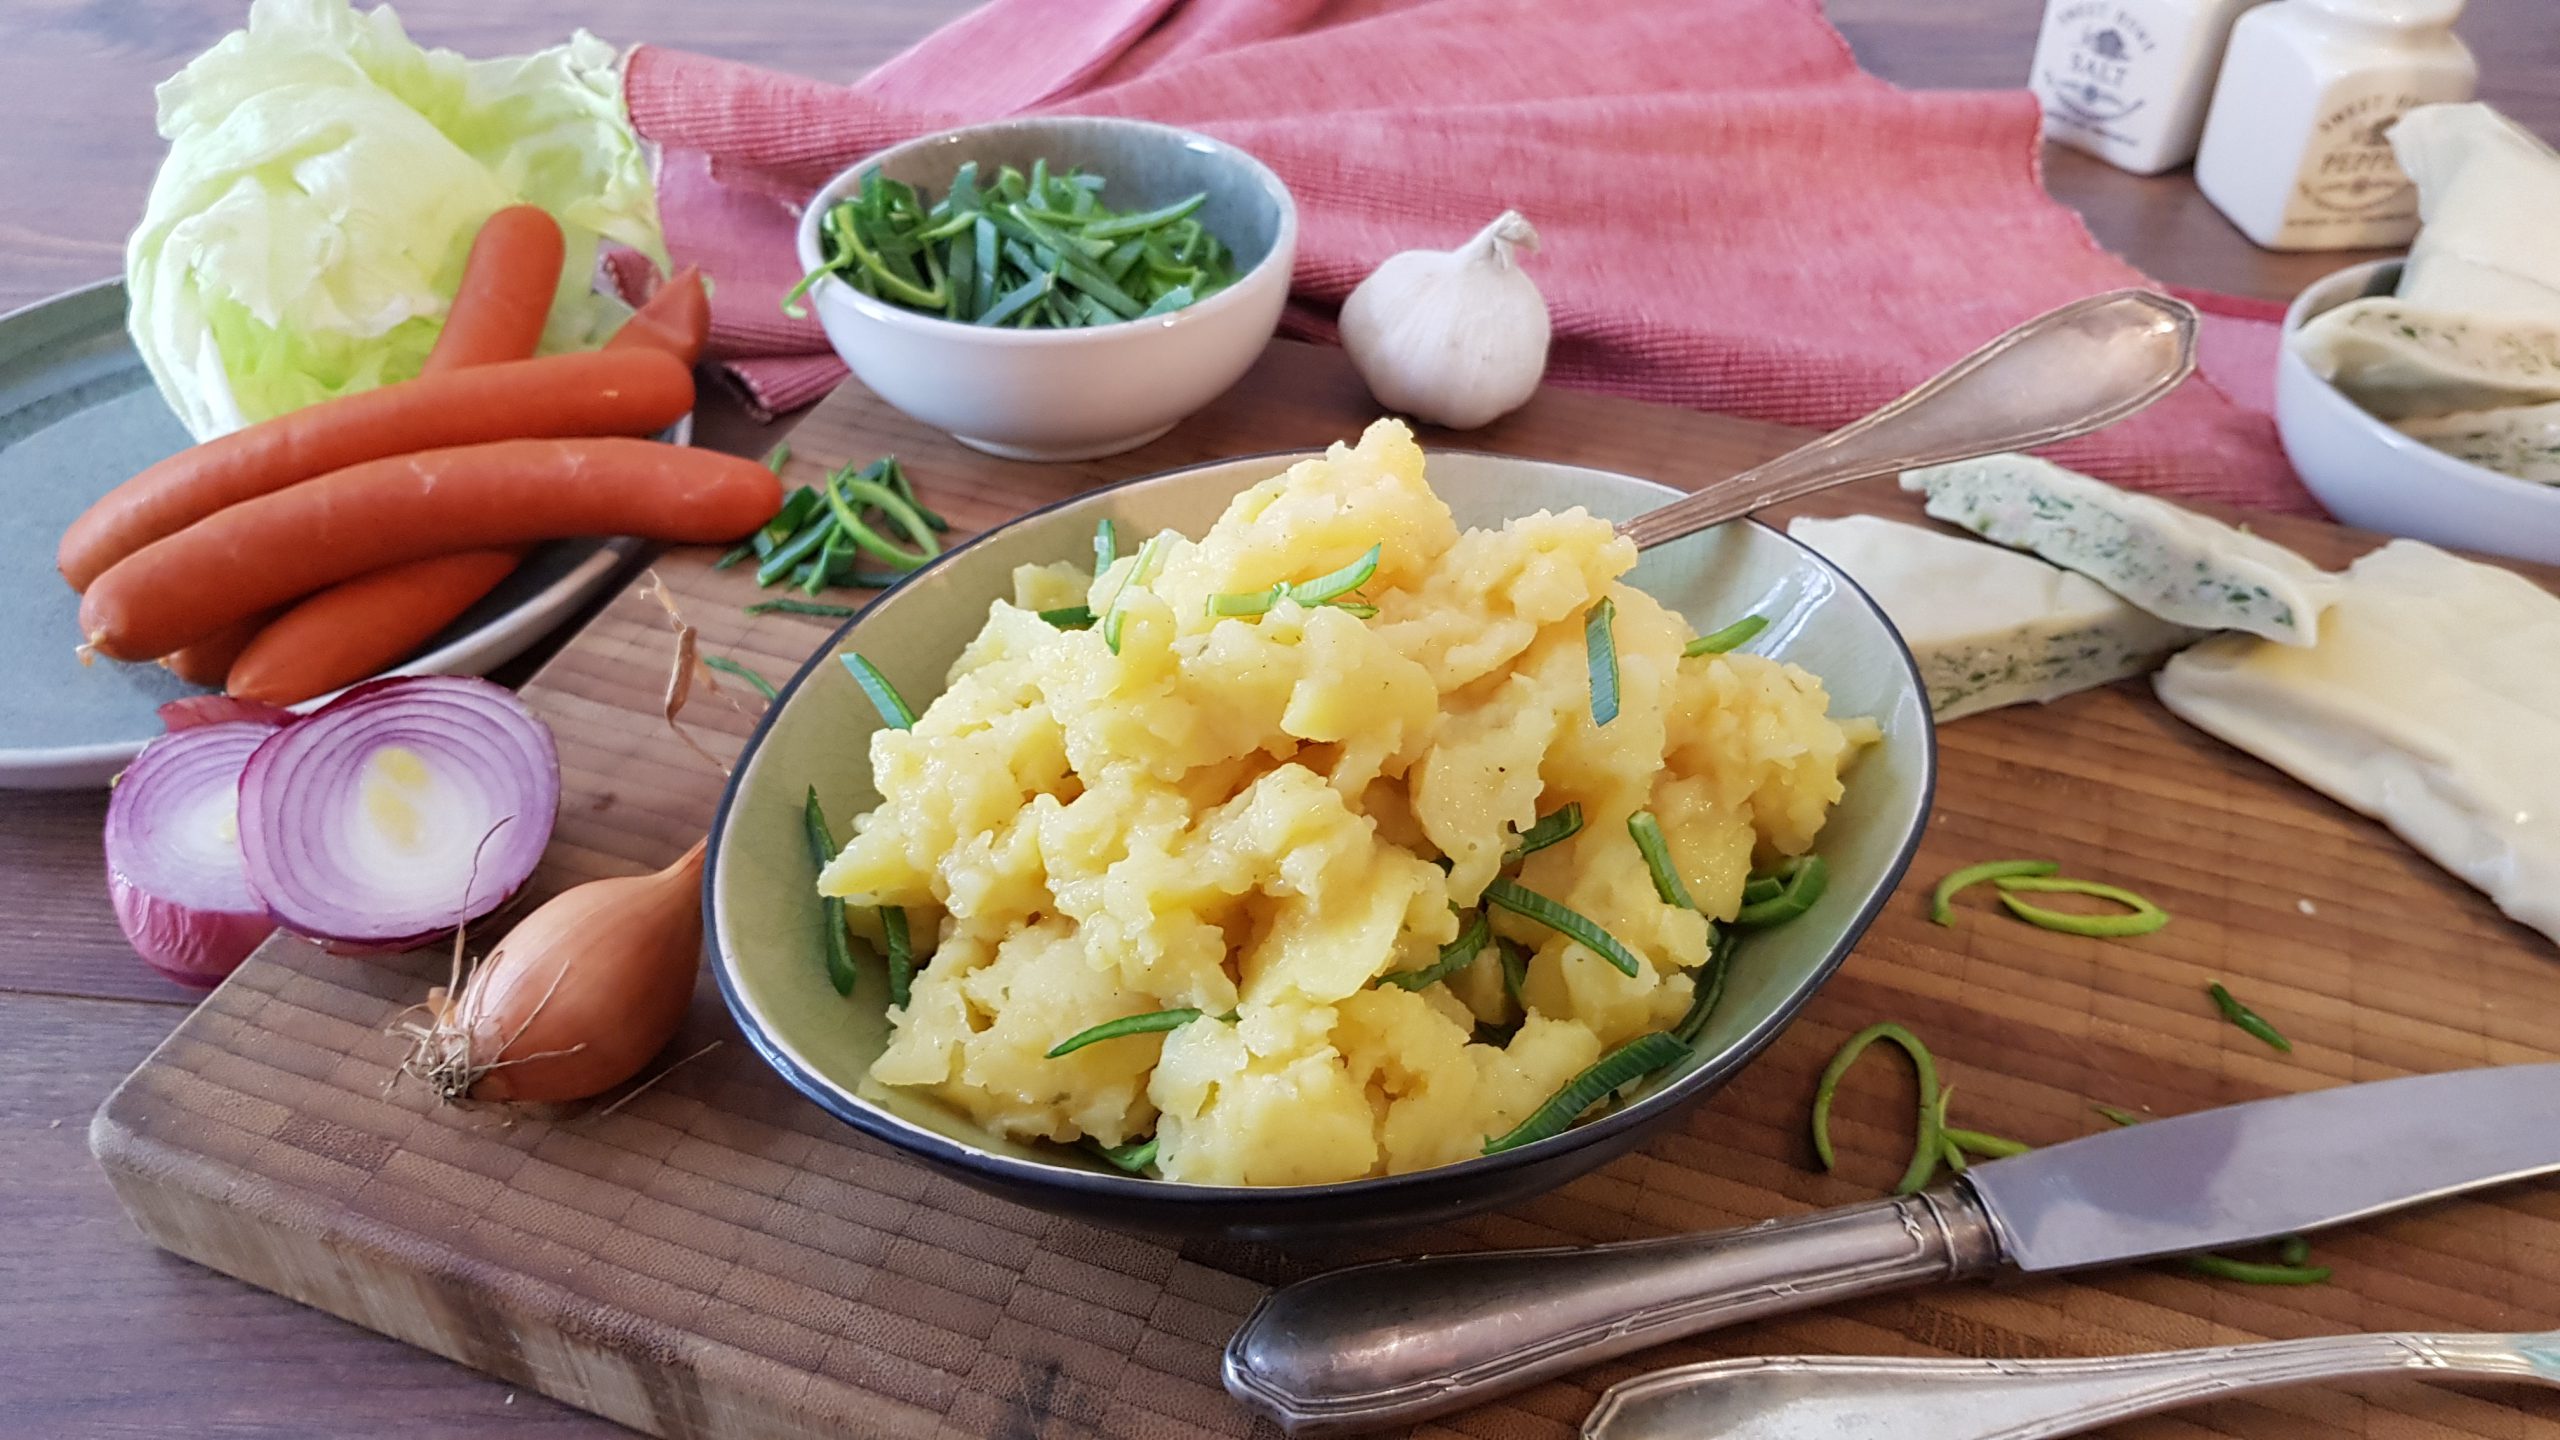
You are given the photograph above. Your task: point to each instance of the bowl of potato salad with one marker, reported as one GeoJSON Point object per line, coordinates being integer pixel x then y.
{"type": "Point", "coordinates": [1304, 844]}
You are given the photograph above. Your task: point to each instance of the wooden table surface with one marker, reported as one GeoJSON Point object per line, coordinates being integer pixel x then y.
{"type": "Point", "coordinates": [104, 1336]}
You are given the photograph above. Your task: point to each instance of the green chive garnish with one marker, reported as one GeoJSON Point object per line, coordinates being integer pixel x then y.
{"type": "Point", "coordinates": [902, 956]}
{"type": "Point", "coordinates": [1803, 886]}
{"type": "Point", "coordinates": [1992, 1147]}
{"type": "Point", "coordinates": [1551, 829]}
{"type": "Point", "coordinates": [1600, 643]}
{"type": "Point", "coordinates": [2117, 1114]}
{"type": "Point", "coordinates": [1106, 546]}
{"type": "Point", "coordinates": [1708, 987]}
{"type": "Point", "coordinates": [1141, 570]}
{"type": "Point", "coordinates": [1133, 1157]}
{"type": "Point", "coordinates": [1340, 582]}
{"type": "Point", "coordinates": [1153, 1022]}
{"type": "Point", "coordinates": [1070, 617]}
{"type": "Point", "coordinates": [1637, 1058]}
{"type": "Point", "coordinates": [1246, 602]}
{"type": "Point", "coordinates": [2145, 917]}
{"type": "Point", "coordinates": [884, 696]}
{"type": "Point", "coordinates": [1515, 969]}
{"type": "Point", "coordinates": [727, 666]}
{"type": "Point", "coordinates": [1740, 632]}
{"type": "Point", "coordinates": [2223, 1268]}
{"type": "Point", "coordinates": [1657, 858]}
{"type": "Point", "coordinates": [1925, 1148]}
{"type": "Point", "coordinates": [1942, 900]}
{"type": "Point", "coordinates": [1512, 896]}
{"type": "Point", "coordinates": [1455, 956]}
{"type": "Point", "coordinates": [778, 456]}
{"type": "Point", "coordinates": [804, 607]}
{"type": "Point", "coordinates": [2246, 1018]}
{"type": "Point", "coordinates": [822, 848]}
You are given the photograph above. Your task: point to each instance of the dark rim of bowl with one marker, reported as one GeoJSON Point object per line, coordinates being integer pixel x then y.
{"type": "Point", "coordinates": [934, 1146]}
{"type": "Point", "coordinates": [873, 308]}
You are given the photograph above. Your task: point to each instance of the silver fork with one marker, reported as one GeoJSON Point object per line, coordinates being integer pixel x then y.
{"type": "Point", "coordinates": [1804, 1397]}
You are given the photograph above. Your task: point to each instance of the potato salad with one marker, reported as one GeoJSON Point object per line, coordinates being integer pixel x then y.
{"type": "Point", "coordinates": [1323, 846]}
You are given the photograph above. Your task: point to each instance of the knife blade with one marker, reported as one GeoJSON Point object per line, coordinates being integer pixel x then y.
{"type": "Point", "coordinates": [1400, 1340]}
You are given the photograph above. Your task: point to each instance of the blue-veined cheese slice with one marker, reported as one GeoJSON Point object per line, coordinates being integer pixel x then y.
{"type": "Point", "coordinates": [2430, 703]}
{"type": "Point", "coordinates": [1990, 627]}
{"type": "Point", "coordinates": [2170, 561]}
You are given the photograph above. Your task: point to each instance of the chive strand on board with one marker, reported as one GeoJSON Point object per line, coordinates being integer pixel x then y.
{"type": "Point", "coordinates": [727, 666]}
{"type": "Point", "coordinates": [1632, 1061]}
{"type": "Point", "coordinates": [1925, 1141]}
{"type": "Point", "coordinates": [804, 607]}
{"type": "Point", "coordinates": [2246, 1018]}
{"type": "Point", "coordinates": [2142, 919]}
{"type": "Point", "coordinates": [1942, 908]}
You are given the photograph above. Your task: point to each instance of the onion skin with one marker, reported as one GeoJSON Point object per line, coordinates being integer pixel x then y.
{"type": "Point", "coordinates": [587, 988]}
{"type": "Point", "coordinates": [193, 947]}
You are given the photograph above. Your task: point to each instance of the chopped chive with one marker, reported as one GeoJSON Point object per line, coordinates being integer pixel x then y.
{"type": "Point", "coordinates": [1551, 829]}
{"type": "Point", "coordinates": [822, 849]}
{"type": "Point", "coordinates": [1353, 608]}
{"type": "Point", "coordinates": [1140, 571]}
{"type": "Point", "coordinates": [1765, 887]}
{"type": "Point", "coordinates": [1948, 1150]}
{"type": "Point", "coordinates": [778, 456]}
{"type": "Point", "coordinates": [1995, 1147]}
{"type": "Point", "coordinates": [893, 708]}
{"type": "Point", "coordinates": [2223, 1268]}
{"type": "Point", "coordinates": [1657, 858]}
{"type": "Point", "coordinates": [1133, 1157]}
{"type": "Point", "coordinates": [804, 607]}
{"type": "Point", "coordinates": [1236, 603]}
{"type": "Point", "coordinates": [2117, 1114]}
{"type": "Point", "coordinates": [2246, 1018]}
{"type": "Point", "coordinates": [843, 490]}
{"type": "Point", "coordinates": [1632, 1061]}
{"type": "Point", "coordinates": [1600, 644]}
{"type": "Point", "coordinates": [1942, 900]}
{"type": "Point", "coordinates": [1529, 904]}
{"type": "Point", "coordinates": [1804, 885]}
{"type": "Point", "coordinates": [1339, 582]}
{"type": "Point", "coordinates": [902, 956]}
{"type": "Point", "coordinates": [1515, 969]}
{"type": "Point", "coordinates": [1120, 225]}
{"type": "Point", "coordinates": [1740, 632]}
{"type": "Point", "coordinates": [1925, 1142]}
{"type": "Point", "coordinates": [1709, 985]}
{"type": "Point", "coordinates": [2294, 1250]}
{"type": "Point", "coordinates": [1070, 617]}
{"type": "Point", "coordinates": [2145, 917]}
{"type": "Point", "coordinates": [1106, 546]}
{"type": "Point", "coordinates": [1154, 1022]}
{"type": "Point", "coordinates": [1455, 956]}
{"type": "Point", "coordinates": [788, 555]}
{"type": "Point", "coordinates": [727, 666]}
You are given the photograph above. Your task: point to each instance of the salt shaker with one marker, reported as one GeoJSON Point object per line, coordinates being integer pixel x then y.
{"type": "Point", "coordinates": [2297, 149]}
{"type": "Point", "coordinates": [2127, 80]}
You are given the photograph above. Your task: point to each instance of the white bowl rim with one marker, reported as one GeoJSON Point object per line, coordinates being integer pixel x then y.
{"type": "Point", "coordinates": [2435, 463]}
{"type": "Point", "coordinates": [1284, 245]}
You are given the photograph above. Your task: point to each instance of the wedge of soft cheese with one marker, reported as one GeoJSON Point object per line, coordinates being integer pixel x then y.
{"type": "Point", "coordinates": [2490, 196]}
{"type": "Point", "coordinates": [2174, 563]}
{"type": "Point", "coordinates": [2430, 703]}
{"type": "Point", "coordinates": [1990, 627]}
{"type": "Point", "coordinates": [2523, 441]}
{"type": "Point", "coordinates": [2400, 360]}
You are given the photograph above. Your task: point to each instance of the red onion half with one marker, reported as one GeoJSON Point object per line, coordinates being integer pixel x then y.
{"type": "Point", "coordinates": [173, 853]}
{"type": "Point", "coordinates": [401, 809]}
{"type": "Point", "coordinates": [189, 711]}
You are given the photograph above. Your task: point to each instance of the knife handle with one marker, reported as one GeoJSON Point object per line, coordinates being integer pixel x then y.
{"type": "Point", "coordinates": [1396, 1341]}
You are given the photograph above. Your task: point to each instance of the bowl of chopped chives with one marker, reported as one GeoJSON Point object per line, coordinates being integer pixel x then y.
{"type": "Point", "coordinates": [1053, 288]}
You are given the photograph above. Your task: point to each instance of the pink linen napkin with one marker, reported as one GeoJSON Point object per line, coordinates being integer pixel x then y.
{"type": "Point", "coordinates": [1737, 218]}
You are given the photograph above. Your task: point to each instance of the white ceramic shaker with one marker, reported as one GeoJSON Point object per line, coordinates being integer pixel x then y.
{"type": "Point", "coordinates": [2127, 80]}
{"type": "Point", "coordinates": [2297, 149]}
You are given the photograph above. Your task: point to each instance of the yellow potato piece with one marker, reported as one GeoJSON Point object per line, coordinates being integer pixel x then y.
{"type": "Point", "coordinates": [1256, 817]}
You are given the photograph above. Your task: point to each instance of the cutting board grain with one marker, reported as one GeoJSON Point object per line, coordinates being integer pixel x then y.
{"type": "Point", "coordinates": [716, 1258]}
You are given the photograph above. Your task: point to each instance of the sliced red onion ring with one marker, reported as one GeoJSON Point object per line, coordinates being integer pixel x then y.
{"type": "Point", "coordinates": [189, 711]}
{"type": "Point", "coordinates": [173, 853]}
{"type": "Point", "coordinates": [399, 810]}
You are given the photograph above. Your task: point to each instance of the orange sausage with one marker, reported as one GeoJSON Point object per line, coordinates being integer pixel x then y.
{"type": "Point", "coordinates": [633, 391]}
{"type": "Point", "coordinates": [507, 285]}
{"type": "Point", "coordinates": [261, 553]}
{"type": "Point", "coordinates": [352, 630]}
{"type": "Point", "coordinates": [677, 319]}
{"type": "Point", "coordinates": [208, 661]}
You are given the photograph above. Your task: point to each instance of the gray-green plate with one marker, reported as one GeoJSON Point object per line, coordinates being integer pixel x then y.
{"type": "Point", "coordinates": [79, 414]}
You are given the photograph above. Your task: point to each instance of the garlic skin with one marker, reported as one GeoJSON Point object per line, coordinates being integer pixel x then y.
{"type": "Point", "coordinates": [1454, 337]}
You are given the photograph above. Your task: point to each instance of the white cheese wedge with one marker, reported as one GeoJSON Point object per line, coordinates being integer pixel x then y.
{"type": "Point", "coordinates": [2172, 562]}
{"type": "Point", "coordinates": [2523, 441]}
{"type": "Point", "coordinates": [2490, 196]}
{"type": "Point", "coordinates": [2400, 360]}
{"type": "Point", "coordinates": [1990, 627]}
{"type": "Point", "coordinates": [2430, 703]}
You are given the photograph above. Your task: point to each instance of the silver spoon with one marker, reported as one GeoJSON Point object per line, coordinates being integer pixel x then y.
{"type": "Point", "coordinates": [2064, 373]}
{"type": "Point", "coordinates": [1820, 1397]}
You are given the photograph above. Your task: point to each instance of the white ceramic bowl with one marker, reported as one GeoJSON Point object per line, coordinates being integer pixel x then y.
{"type": "Point", "coordinates": [2374, 477]}
{"type": "Point", "coordinates": [1070, 394]}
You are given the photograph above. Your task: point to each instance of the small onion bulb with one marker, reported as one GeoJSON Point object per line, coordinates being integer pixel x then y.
{"type": "Point", "coordinates": [1454, 337]}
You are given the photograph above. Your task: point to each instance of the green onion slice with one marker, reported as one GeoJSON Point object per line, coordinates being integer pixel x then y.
{"type": "Point", "coordinates": [1740, 632]}
{"type": "Point", "coordinates": [2145, 917]}
{"type": "Point", "coordinates": [1455, 956]}
{"type": "Point", "coordinates": [1656, 850]}
{"type": "Point", "coordinates": [1339, 582]}
{"type": "Point", "coordinates": [2117, 1114]}
{"type": "Point", "coordinates": [1521, 901]}
{"type": "Point", "coordinates": [1942, 900]}
{"type": "Point", "coordinates": [902, 955]}
{"type": "Point", "coordinates": [1709, 986]}
{"type": "Point", "coordinates": [1551, 829]}
{"type": "Point", "coordinates": [1992, 1147]}
{"type": "Point", "coordinates": [1141, 570]}
{"type": "Point", "coordinates": [1515, 969]}
{"type": "Point", "coordinates": [778, 456]}
{"type": "Point", "coordinates": [884, 696]}
{"type": "Point", "coordinates": [822, 849]}
{"type": "Point", "coordinates": [1246, 602]}
{"type": "Point", "coordinates": [1600, 646]}
{"type": "Point", "coordinates": [1133, 1157]}
{"type": "Point", "coordinates": [1804, 885]}
{"type": "Point", "coordinates": [2246, 1018]}
{"type": "Point", "coordinates": [2223, 1268]}
{"type": "Point", "coordinates": [1632, 1061]}
{"type": "Point", "coordinates": [1925, 1142]}
{"type": "Point", "coordinates": [1070, 617]}
{"type": "Point", "coordinates": [727, 666]}
{"type": "Point", "coordinates": [804, 607]}
{"type": "Point", "coordinates": [1154, 1022]}
{"type": "Point", "coordinates": [1106, 545]}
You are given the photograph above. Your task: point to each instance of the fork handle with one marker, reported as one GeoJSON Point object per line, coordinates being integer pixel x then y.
{"type": "Point", "coordinates": [1782, 1397]}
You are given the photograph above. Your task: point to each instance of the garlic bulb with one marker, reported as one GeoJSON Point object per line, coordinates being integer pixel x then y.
{"type": "Point", "coordinates": [1455, 337]}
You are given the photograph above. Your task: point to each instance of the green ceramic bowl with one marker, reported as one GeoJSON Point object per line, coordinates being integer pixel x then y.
{"type": "Point", "coordinates": [762, 914]}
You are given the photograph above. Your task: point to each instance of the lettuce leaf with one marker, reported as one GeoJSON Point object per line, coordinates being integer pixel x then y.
{"type": "Point", "coordinates": [324, 181]}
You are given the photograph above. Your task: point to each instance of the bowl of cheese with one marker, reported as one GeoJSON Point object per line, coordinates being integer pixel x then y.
{"type": "Point", "coordinates": [1298, 845]}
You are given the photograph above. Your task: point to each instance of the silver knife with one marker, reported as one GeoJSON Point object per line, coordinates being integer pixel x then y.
{"type": "Point", "coordinates": [1399, 1340]}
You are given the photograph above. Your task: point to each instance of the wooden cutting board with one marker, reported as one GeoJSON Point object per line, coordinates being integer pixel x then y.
{"type": "Point", "coordinates": [718, 1258]}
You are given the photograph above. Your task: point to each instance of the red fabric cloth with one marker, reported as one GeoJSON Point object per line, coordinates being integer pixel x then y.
{"type": "Point", "coordinates": [1736, 217]}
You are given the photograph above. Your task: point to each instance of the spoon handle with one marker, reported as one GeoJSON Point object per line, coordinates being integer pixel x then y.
{"type": "Point", "coordinates": [2064, 373]}
{"type": "Point", "coordinates": [1790, 1398]}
